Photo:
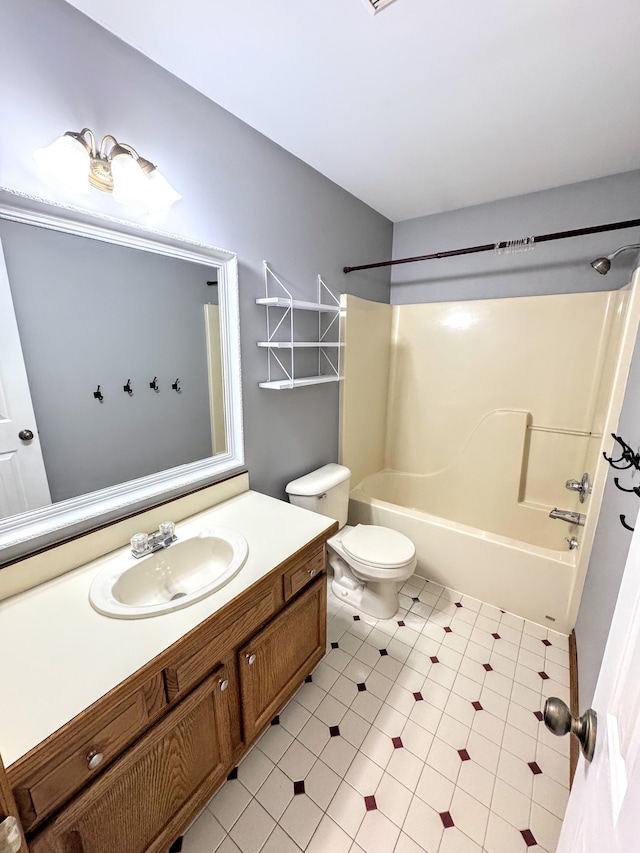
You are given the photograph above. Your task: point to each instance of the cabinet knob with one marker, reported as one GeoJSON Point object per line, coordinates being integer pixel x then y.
{"type": "Point", "coordinates": [224, 683]}
{"type": "Point", "coordinates": [251, 659]}
{"type": "Point", "coordinates": [311, 572]}
{"type": "Point", "coordinates": [94, 759]}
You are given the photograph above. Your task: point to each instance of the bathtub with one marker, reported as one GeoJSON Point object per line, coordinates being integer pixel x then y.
{"type": "Point", "coordinates": [532, 576]}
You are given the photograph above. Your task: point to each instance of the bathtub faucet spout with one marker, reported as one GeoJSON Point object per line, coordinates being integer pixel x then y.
{"type": "Point", "coordinates": [568, 516]}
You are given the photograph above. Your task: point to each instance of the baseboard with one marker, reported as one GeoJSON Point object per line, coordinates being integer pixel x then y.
{"type": "Point", "coordinates": [574, 703]}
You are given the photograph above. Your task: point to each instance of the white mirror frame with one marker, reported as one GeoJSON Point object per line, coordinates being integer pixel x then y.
{"type": "Point", "coordinates": [30, 531]}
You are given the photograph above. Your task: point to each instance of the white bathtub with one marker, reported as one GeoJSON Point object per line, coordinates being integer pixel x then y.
{"type": "Point", "coordinates": [531, 580]}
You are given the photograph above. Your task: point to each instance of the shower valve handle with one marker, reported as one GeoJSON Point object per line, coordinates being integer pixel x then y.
{"type": "Point", "coordinates": [582, 486]}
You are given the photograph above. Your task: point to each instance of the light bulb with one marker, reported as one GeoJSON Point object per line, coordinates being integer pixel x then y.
{"type": "Point", "coordinates": [161, 194]}
{"type": "Point", "coordinates": [130, 185]}
{"type": "Point", "coordinates": [67, 161]}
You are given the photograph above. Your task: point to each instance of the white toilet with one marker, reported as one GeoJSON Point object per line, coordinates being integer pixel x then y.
{"type": "Point", "coordinates": [369, 562]}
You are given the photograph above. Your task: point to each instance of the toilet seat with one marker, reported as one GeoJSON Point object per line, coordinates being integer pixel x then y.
{"type": "Point", "coordinates": [381, 547]}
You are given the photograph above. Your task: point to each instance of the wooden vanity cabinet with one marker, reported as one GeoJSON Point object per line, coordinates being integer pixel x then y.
{"type": "Point", "coordinates": [281, 656]}
{"type": "Point", "coordinates": [172, 732]}
{"type": "Point", "coordinates": [152, 788]}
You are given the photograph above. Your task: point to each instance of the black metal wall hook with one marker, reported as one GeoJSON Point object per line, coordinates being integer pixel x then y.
{"type": "Point", "coordinates": [176, 386]}
{"type": "Point", "coordinates": [635, 490]}
{"type": "Point", "coordinates": [154, 385]}
{"type": "Point", "coordinates": [127, 388]}
{"type": "Point", "coordinates": [629, 457]}
{"type": "Point", "coordinates": [98, 395]}
{"type": "Point", "coordinates": [625, 525]}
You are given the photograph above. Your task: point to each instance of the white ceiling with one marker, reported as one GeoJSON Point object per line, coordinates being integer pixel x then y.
{"type": "Point", "coordinates": [427, 106]}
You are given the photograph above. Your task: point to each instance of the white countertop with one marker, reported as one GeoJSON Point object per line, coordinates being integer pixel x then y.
{"type": "Point", "coordinates": [60, 655]}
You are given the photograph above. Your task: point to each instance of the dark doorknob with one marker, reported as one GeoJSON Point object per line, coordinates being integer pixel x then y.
{"type": "Point", "coordinates": [25, 435]}
{"type": "Point", "coordinates": [558, 719]}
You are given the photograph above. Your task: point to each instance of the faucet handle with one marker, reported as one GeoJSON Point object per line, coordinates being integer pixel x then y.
{"type": "Point", "coordinates": [582, 486]}
{"type": "Point", "coordinates": [167, 529]}
{"type": "Point", "coordinates": [139, 543]}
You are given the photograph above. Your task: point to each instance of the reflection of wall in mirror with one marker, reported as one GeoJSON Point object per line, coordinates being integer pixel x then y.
{"type": "Point", "coordinates": [94, 313]}
{"type": "Point", "coordinates": [216, 386]}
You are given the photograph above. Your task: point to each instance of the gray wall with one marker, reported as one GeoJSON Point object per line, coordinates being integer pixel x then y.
{"type": "Point", "coordinates": [60, 71]}
{"type": "Point", "coordinates": [610, 549]}
{"type": "Point", "coordinates": [558, 267]}
{"type": "Point", "coordinates": [90, 313]}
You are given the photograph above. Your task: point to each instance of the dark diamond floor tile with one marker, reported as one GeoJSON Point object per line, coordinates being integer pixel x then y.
{"type": "Point", "coordinates": [418, 697]}
{"type": "Point", "coordinates": [464, 755]}
{"type": "Point", "coordinates": [543, 676]}
{"type": "Point", "coordinates": [298, 787]}
{"type": "Point", "coordinates": [546, 643]}
{"type": "Point", "coordinates": [275, 721]}
{"type": "Point", "coordinates": [334, 731]}
{"type": "Point", "coordinates": [448, 630]}
{"type": "Point", "coordinates": [335, 646]}
{"type": "Point", "coordinates": [447, 820]}
{"type": "Point", "coordinates": [383, 652]}
{"type": "Point", "coordinates": [415, 598]}
{"type": "Point", "coordinates": [397, 742]}
{"type": "Point", "coordinates": [370, 803]}
{"type": "Point", "coordinates": [308, 679]}
{"type": "Point", "coordinates": [528, 836]}
{"type": "Point", "coordinates": [496, 636]}
{"type": "Point", "coordinates": [356, 618]}
{"type": "Point", "coordinates": [401, 623]}
{"type": "Point", "coordinates": [538, 715]}
{"type": "Point", "coordinates": [233, 774]}
{"type": "Point", "coordinates": [477, 706]}
{"type": "Point", "coordinates": [361, 686]}
{"type": "Point", "coordinates": [488, 667]}
{"type": "Point", "coordinates": [458, 604]}
{"type": "Point", "coordinates": [533, 766]}
{"type": "Point", "coordinates": [434, 659]}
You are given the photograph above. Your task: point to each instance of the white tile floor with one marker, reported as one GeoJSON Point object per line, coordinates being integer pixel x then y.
{"type": "Point", "coordinates": [418, 733]}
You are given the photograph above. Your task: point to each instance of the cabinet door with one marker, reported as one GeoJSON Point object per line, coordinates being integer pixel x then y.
{"type": "Point", "coordinates": [147, 797]}
{"type": "Point", "coordinates": [7, 803]}
{"type": "Point", "coordinates": [278, 658]}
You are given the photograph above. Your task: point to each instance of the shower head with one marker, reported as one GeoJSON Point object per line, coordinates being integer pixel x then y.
{"type": "Point", "coordinates": [603, 265]}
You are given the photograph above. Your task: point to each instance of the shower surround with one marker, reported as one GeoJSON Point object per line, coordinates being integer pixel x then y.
{"type": "Point", "coordinates": [461, 423]}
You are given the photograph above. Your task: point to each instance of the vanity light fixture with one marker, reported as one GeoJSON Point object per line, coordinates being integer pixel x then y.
{"type": "Point", "coordinates": [75, 160]}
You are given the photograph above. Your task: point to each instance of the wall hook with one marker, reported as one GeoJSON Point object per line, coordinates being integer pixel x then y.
{"type": "Point", "coordinates": [98, 394]}
{"type": "Point", "coordinates": [176, 386]}
{"type": "Point", "coordinates": [127, 388]}
{"type": "Point", "coordinates": [635, 490]}
{"type": "Point", "coordinates": [625, 525]}
{"type": "Point", "coordinates": [154, 385]}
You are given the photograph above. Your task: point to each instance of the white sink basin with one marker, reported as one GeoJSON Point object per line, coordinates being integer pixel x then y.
{"type": "Point", "coordinates": [170, 579]}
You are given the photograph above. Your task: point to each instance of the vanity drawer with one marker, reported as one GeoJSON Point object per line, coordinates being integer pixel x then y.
{"type": "Point", "coordinates": [193, 662]}
{"type": "Point", "coordinates": [62, 765]}
{"type": "Point", "coordinates": [303, 572]}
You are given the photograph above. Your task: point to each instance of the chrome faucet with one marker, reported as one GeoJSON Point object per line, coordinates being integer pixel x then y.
{"type": "Point", "coordinates": [146, 543]}
{"type": "Point", "coordinates": [582, 487]}
{"type": "Point", "coordinates": [568, 516]}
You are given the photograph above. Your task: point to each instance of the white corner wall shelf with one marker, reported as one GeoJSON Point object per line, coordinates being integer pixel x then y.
{"type": "Point", "coordinates": [284, 323]}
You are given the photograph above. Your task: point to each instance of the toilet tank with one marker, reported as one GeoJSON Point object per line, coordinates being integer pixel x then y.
{"type": "Point", "coordinates": [325, 490]}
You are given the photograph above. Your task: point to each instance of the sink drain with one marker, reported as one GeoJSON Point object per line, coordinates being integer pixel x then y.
{"type": "Point", "coordinates": [177, 595]}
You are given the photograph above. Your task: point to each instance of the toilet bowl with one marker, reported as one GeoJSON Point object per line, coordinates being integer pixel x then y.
{"type": "Point", "coordinates": [369, 562]}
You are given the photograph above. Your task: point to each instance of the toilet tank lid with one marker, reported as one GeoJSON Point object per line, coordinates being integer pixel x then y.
{"type": "Point", "coordinates": [319, 481]}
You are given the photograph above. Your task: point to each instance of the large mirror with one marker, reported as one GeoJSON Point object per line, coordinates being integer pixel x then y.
{"type": "Point", "coordinates": [119, 369]}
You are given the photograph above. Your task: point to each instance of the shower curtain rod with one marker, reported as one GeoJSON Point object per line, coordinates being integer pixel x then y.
{"type": "Point", "coordinates": [503, 244]}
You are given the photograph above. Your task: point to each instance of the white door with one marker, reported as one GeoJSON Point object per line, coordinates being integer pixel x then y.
{"type": "Point", "coordinates": [603, 814]}
{"type": "Point", "coordinates": [23, 480]}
